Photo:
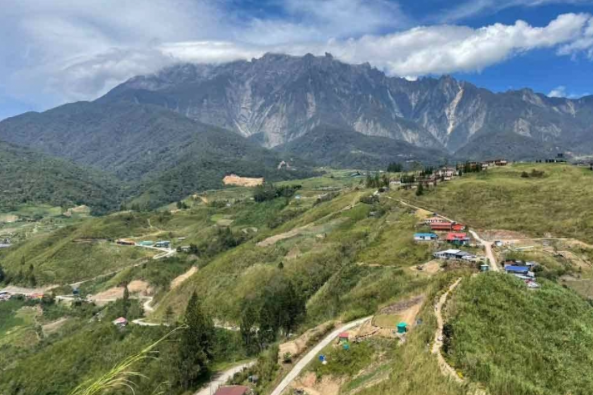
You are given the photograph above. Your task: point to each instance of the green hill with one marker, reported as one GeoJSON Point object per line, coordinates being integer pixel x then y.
{"type": "Point", "coordinates": [557, 203]}
{"type": "Point", "coordinates": [518, 341]}
{"type": "Point", "coordinates": [346, 148]}
{"type": "Point", "coordinates": [28, 178]}
{"type": "Point", "coordinates": [158, 153]}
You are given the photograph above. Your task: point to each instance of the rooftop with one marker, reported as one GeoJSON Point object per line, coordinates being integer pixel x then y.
{"type": "Point", "coordinates": [234, 390]}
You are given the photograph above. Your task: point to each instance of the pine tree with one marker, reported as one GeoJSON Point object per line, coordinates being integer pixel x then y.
{"type": "Point", "coordinates": [2, 274]}
{"type": "Point", "coordinates": [420, 189]}
{"type": "Point", "coordinates": [126, 301]}
{"type": "Point", "coordinates": [196, 344]}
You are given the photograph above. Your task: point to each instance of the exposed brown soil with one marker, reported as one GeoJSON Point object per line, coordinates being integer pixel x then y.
{"type": "Point", "coordinates": [234, 179]}
{"type": "Point", "coordinates": [327, 386]}
{"type": "Point", "coordinates": [297, 346]}
{"type": "Point", "coordinates": [177, 281]}
{"type": "Point", "coordinates": [135, 287]}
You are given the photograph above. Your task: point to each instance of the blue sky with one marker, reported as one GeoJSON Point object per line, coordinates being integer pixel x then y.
{"type": "Point", "coordinates": [59, 51]}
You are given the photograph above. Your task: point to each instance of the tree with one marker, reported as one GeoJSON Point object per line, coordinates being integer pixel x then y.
{"type": "Point", "coordinates": [281, 265]}
{"type": "Point", "coordinates": [195, 350]}
{"type": "Point", "coordinates": [2, 274]}
{"type": "Point", "coordinates": [420, 189]}
{"type": "Point", "coordinates": [126, 301]}
{"type": "Point", "coordinates": [394, 167]}
{"type": "Point", "coordinates": [169, 315]}
{"type": "Point", "coordinates": [248, 328]}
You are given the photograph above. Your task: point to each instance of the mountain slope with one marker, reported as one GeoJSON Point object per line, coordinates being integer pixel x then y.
{"type": "Point", "coordinates": [279, 98]}
{"type": "Point", "coordinates": [331, 146]}
{"type": "Point", "coordinates": [151, 148]}
{"type": "Point", "coordinates": [27, 177]}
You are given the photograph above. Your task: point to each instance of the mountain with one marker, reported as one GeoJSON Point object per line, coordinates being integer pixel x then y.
{"type": "Point", "coordinates": [28, 177]}
{"type": "Point", "coordinates": [279, 98]}
{"type": "Point", "coordinates": [152, 149]}
{"type": "Point", "coordinates": [339, 147]}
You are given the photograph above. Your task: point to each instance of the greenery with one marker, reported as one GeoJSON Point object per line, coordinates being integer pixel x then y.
{"type": "Point", "coordinates": [499, 198]}
{"type": "Point", "coordinates": [30, 178]}
{"type": "Point", "coordinates": [269, 191]}
{"type": "Point", "coordinates": [490, 317]}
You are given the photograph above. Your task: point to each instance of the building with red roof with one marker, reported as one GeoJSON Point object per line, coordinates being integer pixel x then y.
{"type": "Point", "coordinates": [233, 390]}
{"type": "Point", "coordinates": [458, 238]}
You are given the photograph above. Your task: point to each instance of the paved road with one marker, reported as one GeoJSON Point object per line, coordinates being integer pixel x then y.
{"type": "Point", "coordinates": [438, 336]}
{"type": "Point", "coordinates": [488, 246]}
{"type": "Point", "coordinates": [221, 378]}
{"type": "Point", "coordinates": [303, 362]}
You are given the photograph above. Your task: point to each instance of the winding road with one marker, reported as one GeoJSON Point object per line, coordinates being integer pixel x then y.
{"type": "Point", "coordinates": [303, 362]}
{"type": "Point", "coordinates": [438, 336]}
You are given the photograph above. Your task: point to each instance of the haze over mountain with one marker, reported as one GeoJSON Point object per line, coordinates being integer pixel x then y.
{"type": "Point", "coordinates": [279, 98]}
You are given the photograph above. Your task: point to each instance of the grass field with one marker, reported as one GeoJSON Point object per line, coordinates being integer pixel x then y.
{"type": "Point", "coordinates": [517, 341]}
{"type": "Point", "coordinates": [557, 203]}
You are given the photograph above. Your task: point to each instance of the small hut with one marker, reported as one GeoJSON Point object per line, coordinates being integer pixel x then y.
{"type": "Point", "coordinates": [402, 327]}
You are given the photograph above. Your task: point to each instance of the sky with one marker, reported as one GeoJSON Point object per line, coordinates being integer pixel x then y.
{"type": "Point", "coordinates": [58, 51]}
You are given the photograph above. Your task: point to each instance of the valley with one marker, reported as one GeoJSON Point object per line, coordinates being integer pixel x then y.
{"type": "Point", "coordinates": [326, 255]}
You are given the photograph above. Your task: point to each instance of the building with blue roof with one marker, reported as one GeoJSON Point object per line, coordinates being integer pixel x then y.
{"type": "Point", "coordinates": [425, 236]}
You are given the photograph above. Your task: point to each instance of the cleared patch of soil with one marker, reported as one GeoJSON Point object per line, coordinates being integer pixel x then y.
{"type": "Point", "coordinates": [429, 268]}
{"type": "Point", "coordinates": [8, 218]}
{"type": "Point", "coordinates": [234, 179]}
{"type": "Point", "coordinates": [499, 234]}
{"type": "Point", "coordinates": [317, 230]}
{"type": "Point", "coordinates": [177, 281]}
{"type": "Point", "coordinates": [297, 346]}
{"type": "Point", "coordinates": [53, 327]}
{"type": "Point", "coordinates": [385, 322]}
{"type": "Point", "coordinates": [135, 287]}
{"type": "Point", "coordinates": [327, 386]}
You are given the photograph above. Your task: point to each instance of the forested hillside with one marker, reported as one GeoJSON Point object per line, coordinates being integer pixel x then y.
{"type": "Point", "coordinates": [346, 148]}
{"type": "Point", "coordinates": [28, 177]}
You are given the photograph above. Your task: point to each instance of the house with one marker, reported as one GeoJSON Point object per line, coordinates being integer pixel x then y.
{"type": "Point", "coordinates": [402, 327]}
{"type": "Point", "coordinates": [511, 269]}
{"type": "Point", "coordinates": [163, 244]}
{"type": "Point", "coordinates": [457, 238]}
{"type": "Point", "coordinates": [433, 220]}
{"type": "Point", "coordinates": [453, 254]}
{"type": "Point", "coordinates": [442, 225]}
{"type": "Point", "coordinates": [5, 243]}
{"type": "Point", "coordinates": [484, 268]}
{"type": "Point", "coordinates": [447, 226]}
{"type": "Point", "coordinates": [425, 236]}
{"type": "Point", "coordinates": [233, 390]}
{"type": "Point", "coordinates": [146, 243]}
{"type": "Point", "coordinates": [120, 322]}
{"type": "Point", "coordinates": [126, 242]}
{"type": "Point", "coordinates": [35, 296]}
{"type": "Point", "coordinates": [343, 337]}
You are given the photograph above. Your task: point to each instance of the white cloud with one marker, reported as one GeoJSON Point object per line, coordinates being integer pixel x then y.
{"type": "Point", "coordinates": [65, 50]}
{"type": "Point", "coordinates": [417, 51]}
{"type": "Point", "coordinates": [465, 10]}
{"type": "Point", "coordinates": [560, 91]}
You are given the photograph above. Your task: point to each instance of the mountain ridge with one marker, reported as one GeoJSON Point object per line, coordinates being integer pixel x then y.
{"type": "Point", "coordinates": [280, 98]}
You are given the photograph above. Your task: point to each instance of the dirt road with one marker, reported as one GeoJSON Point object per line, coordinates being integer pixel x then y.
{"type": "Point", "coordinates": [222, 377]}
{"type": "Point", "coordinates": [298, 368]}
{"type": "Point", "coordinates": [488, 247]}
{"type": "Point", "coordinates": [438, 336]}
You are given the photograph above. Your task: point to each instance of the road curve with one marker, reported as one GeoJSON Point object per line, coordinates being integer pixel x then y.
{"type": "Point", "coordinates": [222, 377]}
{"type": "Point", "coordinates": [488, 246]}
{"type": "Point", "coordinates": [438, 336]}
{"type": "Point", "coordinates": [303, 362]}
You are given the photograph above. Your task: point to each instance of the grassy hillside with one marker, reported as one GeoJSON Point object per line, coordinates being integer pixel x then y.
{"type": "Point", "coordinates": [557, 203]}
{"type": "Point", "coordinates": [517, 341]}
{"type": "Point", "coordinates": [68, 254]}
{"type": "Point", "coordinates": [30, 178]}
